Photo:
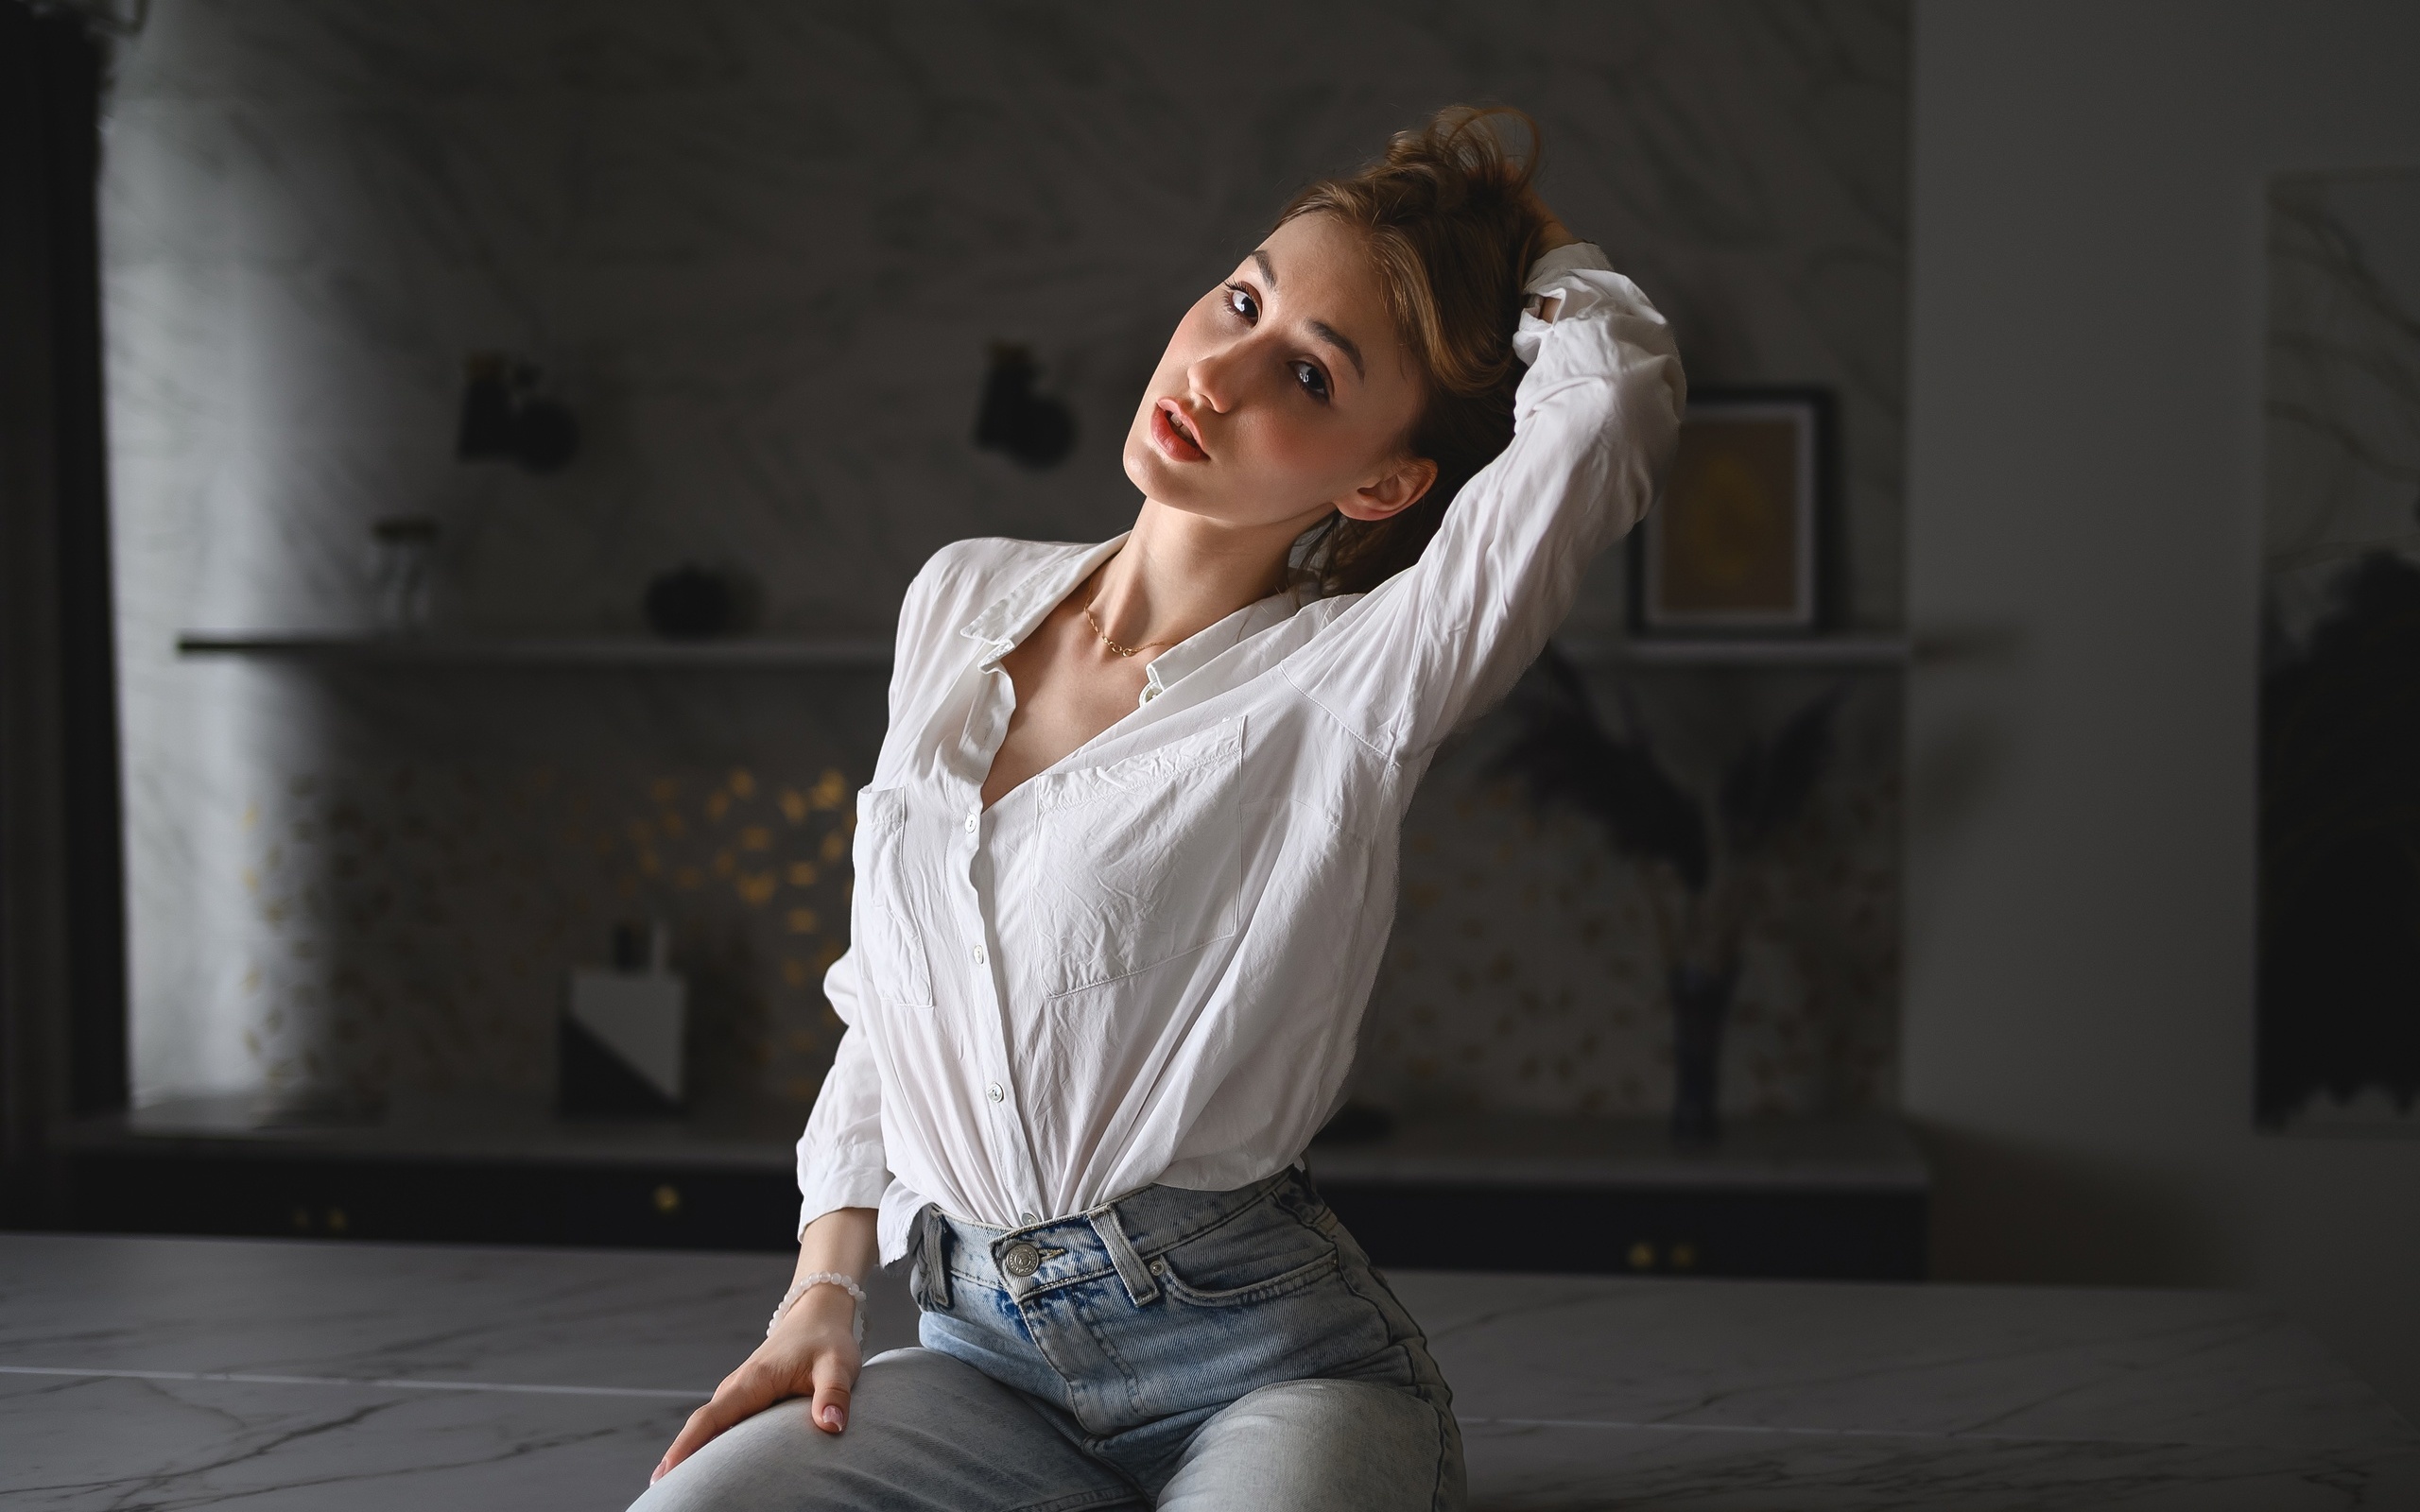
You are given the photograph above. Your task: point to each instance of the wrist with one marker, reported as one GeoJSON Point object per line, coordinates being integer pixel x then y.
{"type": "Point", "coordinates": [824, 1301]}
{"type": "Point", "coordinates": [821, 1295]}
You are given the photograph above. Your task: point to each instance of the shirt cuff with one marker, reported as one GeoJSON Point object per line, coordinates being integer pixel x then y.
{"type": "Point", "coordinates": [1554, 292]}
{"type": "Point", "coordinates": [846, 1177]}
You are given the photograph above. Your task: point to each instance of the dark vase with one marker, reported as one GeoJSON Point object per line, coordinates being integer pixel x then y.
{"type": "Point", "coordinates": [1701, 1001]}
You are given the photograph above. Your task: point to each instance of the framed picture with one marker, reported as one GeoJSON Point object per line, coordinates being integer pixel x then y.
{"type": "Point", "coordinates": [1737, 545]}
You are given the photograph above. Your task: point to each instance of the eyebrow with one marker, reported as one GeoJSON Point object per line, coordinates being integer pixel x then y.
{"type": "Point", "coordinates": [1341, 343]}
{"type": "Point", "coordinates": [1320, 328]}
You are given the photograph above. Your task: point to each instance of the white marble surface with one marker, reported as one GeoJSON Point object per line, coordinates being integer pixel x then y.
{"type": "Point", "coordinates": [160, 1373]}
{"type": "Point", "coordinates": [760, 249]}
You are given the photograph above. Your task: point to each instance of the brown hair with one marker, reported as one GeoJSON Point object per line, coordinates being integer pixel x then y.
{"type": "Point", "coordinates": [1452, 229]}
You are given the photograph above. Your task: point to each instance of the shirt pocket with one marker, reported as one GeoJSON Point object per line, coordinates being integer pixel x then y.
{"type": "Point", "coordinates": [895, 966]}
{"type": "Point", "coordinates": [1142, 860]}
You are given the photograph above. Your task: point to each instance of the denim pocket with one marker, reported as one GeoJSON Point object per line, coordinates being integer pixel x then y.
{"type": "Point", "coordinates": [1269, 1251]}
{"type": "Point", "coordinates": [1267, 1296]}
{"type": "Point", "coordinates": [1260, 1291]}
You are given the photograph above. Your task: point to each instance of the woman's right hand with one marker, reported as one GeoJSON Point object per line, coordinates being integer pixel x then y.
{"type": "Point", "coordinates": [812, 1353]}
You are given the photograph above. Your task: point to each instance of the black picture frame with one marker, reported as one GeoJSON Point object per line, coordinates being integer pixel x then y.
{"type": "Point", "coordinates": [1743, 544]}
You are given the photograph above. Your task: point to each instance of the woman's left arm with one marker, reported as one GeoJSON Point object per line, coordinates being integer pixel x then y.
{"type": "Point", "coordinates": [1593, 424]}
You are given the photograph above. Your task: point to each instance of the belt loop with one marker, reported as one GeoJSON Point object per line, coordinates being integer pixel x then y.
{"type": "Point", "coordinates": [930, 1283]}
{"type": "Point", "coordinates": [1139, 1284]}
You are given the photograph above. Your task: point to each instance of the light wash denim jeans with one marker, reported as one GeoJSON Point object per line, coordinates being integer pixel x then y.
{"type": "Point", "coordinates": [1197, 1351]}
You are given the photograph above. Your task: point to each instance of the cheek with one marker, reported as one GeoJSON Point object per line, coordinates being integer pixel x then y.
{"type": "Point", "coordinates": [1314, 455]}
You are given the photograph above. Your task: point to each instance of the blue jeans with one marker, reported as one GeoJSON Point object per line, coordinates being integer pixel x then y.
{"type": "Point", "coordinates": [1177, 1350]}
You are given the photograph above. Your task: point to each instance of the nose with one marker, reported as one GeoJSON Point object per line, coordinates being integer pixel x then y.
{"type": "Point", "coordinates": [1216, 377]}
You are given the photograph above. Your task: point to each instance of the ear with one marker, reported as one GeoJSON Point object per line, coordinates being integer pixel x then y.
{"type": "Point", "coordinates": [1391, 494]}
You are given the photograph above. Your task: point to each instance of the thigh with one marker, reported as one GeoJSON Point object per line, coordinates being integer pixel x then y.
{"type": "Point", "coordinates": [1321, 1446]}
{"type": "Point", "coordinates": [926, 1434]}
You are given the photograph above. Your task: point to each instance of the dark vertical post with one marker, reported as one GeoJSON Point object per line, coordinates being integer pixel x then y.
{"type": "Point", "coordinates": [87, 626]}
{"type": "Point", "coordinates": [62, 966]}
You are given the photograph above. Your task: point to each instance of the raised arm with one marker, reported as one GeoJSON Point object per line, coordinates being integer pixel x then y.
{"type": "Point", "coordinates": [1594, 425]}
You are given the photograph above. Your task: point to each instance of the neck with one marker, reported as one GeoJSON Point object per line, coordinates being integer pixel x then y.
{"type": "Point", "coordinates": [1180, 574]}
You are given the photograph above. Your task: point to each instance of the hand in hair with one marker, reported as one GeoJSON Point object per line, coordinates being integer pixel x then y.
{"type": "Point", "coordinates": [1552, 231]}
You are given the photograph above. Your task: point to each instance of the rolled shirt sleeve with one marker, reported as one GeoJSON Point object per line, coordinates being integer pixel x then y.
{"type": "Point", "coordinates": [1594, 420]}
{"type": "Point", "coordinates": [840, 1162]}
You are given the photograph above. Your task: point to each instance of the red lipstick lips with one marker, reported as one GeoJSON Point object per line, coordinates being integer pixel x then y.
{"type": "Point", "coordinates": [1173, 434]}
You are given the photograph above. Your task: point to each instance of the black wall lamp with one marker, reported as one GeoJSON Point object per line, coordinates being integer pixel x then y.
{"type": "Point", "coordinates": [505, 417]}
{"type": "Point", "coordinates": [1034, 428]}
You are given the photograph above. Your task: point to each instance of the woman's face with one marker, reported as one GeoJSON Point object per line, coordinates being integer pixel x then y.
{"type": "Point", "coordinates": [1284, 392]}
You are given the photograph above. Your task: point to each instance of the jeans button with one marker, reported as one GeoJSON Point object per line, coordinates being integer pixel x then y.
{"type": "Point", "coordinates": [1021, 1260]}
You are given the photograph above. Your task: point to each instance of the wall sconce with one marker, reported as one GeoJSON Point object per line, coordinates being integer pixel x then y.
{"type": "Point", "coordinates": [503, 415]}
{"type": "Point", "coordinates": [1034, 428]}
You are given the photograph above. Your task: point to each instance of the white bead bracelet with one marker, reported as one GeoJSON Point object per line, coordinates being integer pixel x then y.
{"type": "Point", "coordinates": [824, 1278]}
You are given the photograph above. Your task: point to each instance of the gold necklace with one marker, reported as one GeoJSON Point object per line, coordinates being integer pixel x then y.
{"type": "Point", "coordinates": [1115, 648]}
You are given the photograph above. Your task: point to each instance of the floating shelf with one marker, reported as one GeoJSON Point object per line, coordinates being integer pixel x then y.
{"type": "Point", "coordinates": [870, 654]}
{"type": "Point", "coordinates": [1810, 651]}
{"type": "Point", "coordinates": [838, 653]}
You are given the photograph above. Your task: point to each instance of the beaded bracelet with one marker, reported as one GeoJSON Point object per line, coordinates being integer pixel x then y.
{"type": "Point", "coordinates": [824, 1278]}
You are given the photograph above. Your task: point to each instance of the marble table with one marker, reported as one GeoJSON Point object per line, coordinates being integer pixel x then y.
{"type": "Point", "coordinates": [160, 1373]}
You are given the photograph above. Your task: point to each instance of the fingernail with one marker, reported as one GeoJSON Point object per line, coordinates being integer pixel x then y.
{"type": "Point", "coordinates": [833, 1418]}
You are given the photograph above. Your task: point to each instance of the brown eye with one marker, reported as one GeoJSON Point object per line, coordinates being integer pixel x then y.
{"type": "Point", "coordinates": [1313, 381]}
{"type": "Point", "coordinates": [1240, 300]}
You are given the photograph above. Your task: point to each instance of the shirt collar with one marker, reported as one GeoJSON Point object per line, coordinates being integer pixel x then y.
{"type": "Point", "coordinates": [1188, 655]}
{"type": "Point", "coordinates": [1012, 617]}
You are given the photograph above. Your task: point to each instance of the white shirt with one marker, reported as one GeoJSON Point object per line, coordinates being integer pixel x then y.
{"type": "Point", "coordinates": [1148, 962]}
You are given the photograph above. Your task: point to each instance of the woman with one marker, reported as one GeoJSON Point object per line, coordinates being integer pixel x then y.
{"type": "Point", "coordinates": [1127, 863]}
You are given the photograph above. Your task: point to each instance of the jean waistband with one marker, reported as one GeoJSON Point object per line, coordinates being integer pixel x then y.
{"type": "Point", "coordinates": [1119, 1236]}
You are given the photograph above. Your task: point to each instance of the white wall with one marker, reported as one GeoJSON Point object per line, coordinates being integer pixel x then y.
{"type": "Point", "coordinates": [2085, 523]}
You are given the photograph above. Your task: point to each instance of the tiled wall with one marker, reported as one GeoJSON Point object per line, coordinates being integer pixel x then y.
{"type": "Point", "coordinates": [761, 249]}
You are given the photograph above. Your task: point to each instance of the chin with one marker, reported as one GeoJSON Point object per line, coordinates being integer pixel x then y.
{"type": "Point", "coordinates": [1156, 476]}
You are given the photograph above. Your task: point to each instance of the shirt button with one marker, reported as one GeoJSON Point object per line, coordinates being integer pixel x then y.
{"type": "Point", "coordinates": [1026, 1217]}
{"type": "Point", "coordinates": [973, 822]}
{"type": "Point", "coordinates": [995, 1092]}
{"type": "Point", "coordinates": [978, 955]}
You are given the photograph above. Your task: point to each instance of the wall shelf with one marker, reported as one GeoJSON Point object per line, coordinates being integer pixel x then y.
{"type": "Point", "coordinates": [1814, 651]}
{"type": "Point", "coordinates": [871, 654]}
{"type": "Point", "coordinates": [601, 652]}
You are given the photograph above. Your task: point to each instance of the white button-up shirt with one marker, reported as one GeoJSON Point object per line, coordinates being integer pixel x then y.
{"type": "Point", "coordinates": [1148, 962]}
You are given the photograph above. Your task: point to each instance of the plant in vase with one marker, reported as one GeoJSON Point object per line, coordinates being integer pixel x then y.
{"type": "Point", "coordinates": [1709, 863]}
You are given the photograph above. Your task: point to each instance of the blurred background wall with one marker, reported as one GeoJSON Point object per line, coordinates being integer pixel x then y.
{"type": "Point", "coordinates": [760, 250]}
{"type": "Point", "coordinates": [2084, 531]}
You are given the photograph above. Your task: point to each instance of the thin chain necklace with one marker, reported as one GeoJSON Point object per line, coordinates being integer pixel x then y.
{"type": "Point", "coordinates": [1115, 648]}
